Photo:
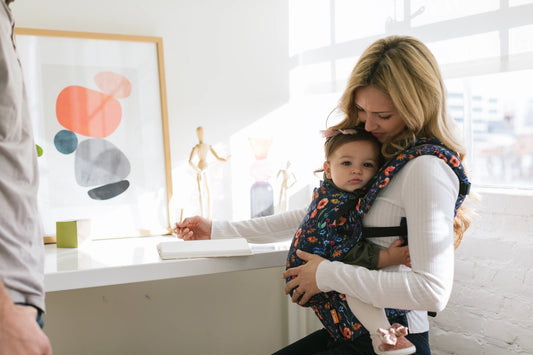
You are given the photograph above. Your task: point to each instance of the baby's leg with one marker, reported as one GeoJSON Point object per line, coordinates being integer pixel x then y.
{"type": "Point", "coordinates": [372, 318]}
{"type": "Point", "coordinates": [386, 339]}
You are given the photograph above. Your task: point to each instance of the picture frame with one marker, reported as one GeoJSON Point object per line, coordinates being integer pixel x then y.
{"type": "Point", "coordinates": [98, 108]}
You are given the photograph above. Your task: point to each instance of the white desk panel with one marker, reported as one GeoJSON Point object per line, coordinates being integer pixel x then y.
{"type": "Point", "coordinates": [120, 261]}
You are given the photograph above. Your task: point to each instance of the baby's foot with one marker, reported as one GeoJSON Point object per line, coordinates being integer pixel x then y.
{"type": "Point", "coordinates": [392, 341]}
{"type": "Point", "coordinates": [399, 330]}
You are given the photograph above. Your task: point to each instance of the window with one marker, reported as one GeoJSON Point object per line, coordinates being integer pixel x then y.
{"type": "Point", "coordinates": [498, 111]}
{"type": "Point", "coordinates": [484, 48]}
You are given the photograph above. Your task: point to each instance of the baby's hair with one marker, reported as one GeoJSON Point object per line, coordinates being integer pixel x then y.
{"type": "Point", "coordinates": [337, 138]}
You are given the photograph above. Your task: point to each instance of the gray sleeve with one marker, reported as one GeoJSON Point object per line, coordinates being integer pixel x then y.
{"type": "Point", "coordinates": [364, 253]}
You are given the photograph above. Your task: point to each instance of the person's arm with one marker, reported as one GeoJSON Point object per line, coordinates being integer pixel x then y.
{"type": "Point", "coordinates": [19, 331]}
{"type": "Point", "coordinates": [364, 253]}
{"type": "Point", "coordinates": [429, 191]}
{"type": "Point", "coordinates": [372, 256]}
{"type": "Point", "coordinates": [271, 229]}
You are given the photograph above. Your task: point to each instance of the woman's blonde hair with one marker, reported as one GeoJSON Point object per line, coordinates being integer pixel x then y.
{"type": "Point", "coordinates": [403, 68]}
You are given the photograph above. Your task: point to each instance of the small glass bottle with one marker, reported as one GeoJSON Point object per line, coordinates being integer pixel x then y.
{"type": "Point", "coordinates": [261, 192]}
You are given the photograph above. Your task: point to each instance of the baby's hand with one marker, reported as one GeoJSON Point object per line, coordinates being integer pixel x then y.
{"type": "Point", "coordinates": [396, 254]}
{"type": "Point", "coordinates": [399, 253]}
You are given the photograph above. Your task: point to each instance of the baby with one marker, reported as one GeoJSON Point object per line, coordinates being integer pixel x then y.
{"type": "Point", "coordinates": [352, 159]}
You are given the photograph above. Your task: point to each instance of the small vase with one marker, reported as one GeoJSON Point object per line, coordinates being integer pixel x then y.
{"type": "Point", "coordinates": [261, 192]}
{"type": "Point", "coordinates": [261, 199]}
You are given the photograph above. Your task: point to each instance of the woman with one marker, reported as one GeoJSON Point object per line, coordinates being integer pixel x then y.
{"type": "Point", "coordinates": [396, 93]}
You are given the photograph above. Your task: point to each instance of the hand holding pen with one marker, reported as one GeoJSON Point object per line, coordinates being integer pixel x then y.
{"type": "Point", "coordinates": [193, 228]}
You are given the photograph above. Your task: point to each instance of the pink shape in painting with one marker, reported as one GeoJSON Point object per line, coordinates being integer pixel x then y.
{"type": "Point", "coordinates": [113, 84]}
{"type": "Point", "coordinates": [88, 112]}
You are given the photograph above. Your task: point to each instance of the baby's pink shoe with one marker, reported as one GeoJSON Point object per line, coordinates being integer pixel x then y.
{"type": "Point", "coordinates": [392, 341]}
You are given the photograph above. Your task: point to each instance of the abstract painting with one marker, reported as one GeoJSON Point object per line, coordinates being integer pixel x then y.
{"type": "Point", "coordinates": [98, 109]}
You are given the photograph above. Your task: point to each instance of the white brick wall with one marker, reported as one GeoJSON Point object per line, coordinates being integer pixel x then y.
{"type": "Point", "coordinates": [491, 307]}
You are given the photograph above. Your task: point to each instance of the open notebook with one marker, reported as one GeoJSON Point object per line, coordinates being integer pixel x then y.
{"type": "Point", "coordinates": [178, 249]}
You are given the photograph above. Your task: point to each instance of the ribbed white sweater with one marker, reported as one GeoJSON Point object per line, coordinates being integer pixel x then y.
{"type": "Point", "coordinates": [424, 192]}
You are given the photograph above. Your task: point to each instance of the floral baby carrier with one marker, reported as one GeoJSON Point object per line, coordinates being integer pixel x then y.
{"type": "Point", "coordinates": [333, 225]}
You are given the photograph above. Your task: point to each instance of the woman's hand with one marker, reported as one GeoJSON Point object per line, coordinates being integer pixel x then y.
{"type": "Point", "coordinates": [303, 278]}
{"type": "Point", "coordinates": [194, 228]}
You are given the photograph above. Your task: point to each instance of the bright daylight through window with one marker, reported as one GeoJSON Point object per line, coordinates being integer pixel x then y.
{"type": "Point", "coordinates": [484, 48]}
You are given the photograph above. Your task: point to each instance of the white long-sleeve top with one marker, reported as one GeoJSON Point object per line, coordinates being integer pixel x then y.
{"type": "Point", "coordinates": [424, 192]}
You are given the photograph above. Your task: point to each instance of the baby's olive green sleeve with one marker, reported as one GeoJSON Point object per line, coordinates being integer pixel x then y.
{"type": "Point", "coordinates": [364, 253]}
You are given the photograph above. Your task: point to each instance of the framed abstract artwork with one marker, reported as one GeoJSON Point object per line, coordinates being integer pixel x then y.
{"type": "Point", "coordinates": [99, 114]}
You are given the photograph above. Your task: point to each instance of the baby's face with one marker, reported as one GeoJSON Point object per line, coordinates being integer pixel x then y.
{"type": "Point", "coordinates": [352, 165]}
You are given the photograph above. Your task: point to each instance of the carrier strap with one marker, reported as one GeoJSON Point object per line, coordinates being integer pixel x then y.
{"type": "Point", "coordinates": [464, 188]}
{"type": "Point", "coordinates": [376, 232]}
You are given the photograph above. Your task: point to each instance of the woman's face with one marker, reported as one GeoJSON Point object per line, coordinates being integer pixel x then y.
{"type": "Point", "coordinates": [378, 113]}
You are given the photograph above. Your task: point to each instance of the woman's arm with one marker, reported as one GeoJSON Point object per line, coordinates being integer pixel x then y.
{"type": "Point", "coordinates": [277, 228]}
{"type": "Point", "coordinates": [427, 193]}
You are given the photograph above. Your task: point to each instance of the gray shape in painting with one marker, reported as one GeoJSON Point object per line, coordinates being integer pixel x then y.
{"type": "Point", "coordinates": [109, 191]}
{"type": "Point", "coordinates": [99, 162]}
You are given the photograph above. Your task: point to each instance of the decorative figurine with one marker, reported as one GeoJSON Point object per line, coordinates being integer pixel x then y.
{"type": "Point", "coordinates": [200, 151]}
{"type": "Point", "coordinates": [288, 180]}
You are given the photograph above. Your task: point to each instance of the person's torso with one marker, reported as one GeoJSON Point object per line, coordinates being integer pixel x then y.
{"type": "Point", "coordinates": [21, 244]}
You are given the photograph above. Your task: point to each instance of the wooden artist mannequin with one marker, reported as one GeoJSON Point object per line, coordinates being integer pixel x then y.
{"type": "Point", "coordinates": [200, 151]}
{"type": "Point", "coordinates": [288, 180]}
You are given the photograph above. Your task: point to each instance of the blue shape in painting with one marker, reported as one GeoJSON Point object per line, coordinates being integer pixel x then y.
{"type": "Point", "coordinates": [65, 141]}
{"type": "Point", "coordinates": [99, 162]}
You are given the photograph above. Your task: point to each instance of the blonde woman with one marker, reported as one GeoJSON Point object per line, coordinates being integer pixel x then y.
{"type": "Point", "coordinates": [396, 93]}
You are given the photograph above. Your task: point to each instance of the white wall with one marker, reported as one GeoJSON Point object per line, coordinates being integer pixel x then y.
{"type": "Point", "coordinates": [227, 66]}
{"type": "Point", "coordinates": [226, 62]}
{"type": "Point", "coordinates": [490, 308]}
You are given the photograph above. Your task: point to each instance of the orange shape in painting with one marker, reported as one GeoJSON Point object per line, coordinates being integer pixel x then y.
{"type": "Point", "coordinates": [88, 112]}
{"type": "Point", "coordinates": [113, 84]}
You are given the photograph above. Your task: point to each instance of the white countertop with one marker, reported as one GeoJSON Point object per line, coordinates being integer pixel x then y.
{"type": "Point", "coordinates": [120, 261]}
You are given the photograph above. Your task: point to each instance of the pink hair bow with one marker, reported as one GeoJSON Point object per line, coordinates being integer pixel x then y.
{"type": "Point", "coordinates": [328, 133]}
